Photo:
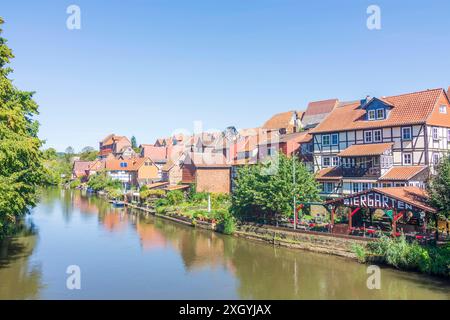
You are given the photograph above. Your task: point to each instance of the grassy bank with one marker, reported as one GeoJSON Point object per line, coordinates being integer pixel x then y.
{"type": "Point", "coordinates": [403, 255]}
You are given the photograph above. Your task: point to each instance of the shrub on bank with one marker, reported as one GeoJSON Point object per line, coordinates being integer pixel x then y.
{"type": "Point", "coordinates": [399, 253]}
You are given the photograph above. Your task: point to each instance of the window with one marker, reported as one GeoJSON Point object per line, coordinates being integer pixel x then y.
{"type": "Point", "coordinates": [368, 136]}
{"type": "Point", "coordinates": [326, 140]}
{"type": "Point", "coordinates": [335, 161]}
{"type": "Point", "coordinates": [123, 164]}
{"type": "Point", "coordinates": [371, 115]}
{"type": "Point", "coordinates": [365, 186]}
{"type": "Point", "coordinates": [335, 139]}
{"type": "Point", "coordinates": [326, 161]}
{"type": "Point", "coordinates": [435, 134]}
{"type": "Point", "coordinates": [328, 187]}
{"type": "Point", "coordinates": [406, 133]}
{"type": "Point", "coordinates": [407, 159]}
{"type": "Point", "coordinates": [377, 136]}
{"type": "Point", "coordinates": [443, 109]}
{"type": "Point", "coordinates": [436, 158]}
{"type": "Point", "coordinates": [380, 114]}
{"type": "Point", "coordinates": [356, 188]}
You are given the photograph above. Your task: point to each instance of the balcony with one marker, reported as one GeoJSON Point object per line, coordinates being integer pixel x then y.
{"type": "Point", "coordinates": [359, 172]}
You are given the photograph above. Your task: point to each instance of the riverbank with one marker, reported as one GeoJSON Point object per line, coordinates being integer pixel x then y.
{"type": "Point", "coordinates": [305, 240]}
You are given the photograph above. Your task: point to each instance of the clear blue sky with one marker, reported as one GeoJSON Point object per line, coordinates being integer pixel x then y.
{"type": "Point", "coordinates": [149, 67]}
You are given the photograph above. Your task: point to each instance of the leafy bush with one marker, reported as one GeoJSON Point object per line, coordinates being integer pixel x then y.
{"type": "Point", "coordinates": [175, 197]}
{"type": "Point", "coordinates": [360, 252]}
{"type": "Point", "coordinates": [401, 254]}
{"type": "Point", "coordinates": [145, 194]}
{"type": "Point", "coordinates": [101, 181]}
{"type": "Point", "coordinates": [75, 183]}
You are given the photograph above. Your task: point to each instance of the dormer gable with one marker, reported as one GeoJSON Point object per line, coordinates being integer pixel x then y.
{"type": "Point", "coordinates": [376, 109]}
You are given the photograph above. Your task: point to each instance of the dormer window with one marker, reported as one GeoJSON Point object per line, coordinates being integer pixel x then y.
{"type": "Point", "coordinates": [380, 114]}
{"type": "Point", "coordinates": [443, 109]}
{"type": "Point", "coordinates": [371, 115]}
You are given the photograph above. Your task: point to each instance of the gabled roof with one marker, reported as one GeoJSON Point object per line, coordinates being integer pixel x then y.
{"type": "Point", "coordinates": [403, 173]}
{"type": "Point", "coordinates": [282, 120]}
{"type": "Point", "coordinates": [80, 167]}
{"type": "Point", "coordinates": [155, 153]}
{"type": "Point", "coordinates": [408, 109]}
{"type": "Point", "coordinates": [320, 107]}
{"type": "Point", "coordinates": [362, 150]}
{"type": "Point", "coordinates": [112, 138]}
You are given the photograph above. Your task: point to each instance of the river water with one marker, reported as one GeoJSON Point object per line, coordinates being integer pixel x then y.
{"type": "Point", "coordinates": [122, 254]}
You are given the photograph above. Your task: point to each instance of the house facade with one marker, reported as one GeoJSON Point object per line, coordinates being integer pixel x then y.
{"type": "Point", "coordinates": [132, 172]}
{"type": "Point", "coordinates": [114, 145]}
{"type": "Point", "coordinates": [382, 142]}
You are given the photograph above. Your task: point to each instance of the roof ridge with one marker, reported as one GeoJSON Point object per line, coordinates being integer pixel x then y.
{"type": "Point", "coordinates": [411, 93]}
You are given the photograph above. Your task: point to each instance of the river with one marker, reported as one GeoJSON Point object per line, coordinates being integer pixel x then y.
{"type": "Point", "coordinates": [123, 254]}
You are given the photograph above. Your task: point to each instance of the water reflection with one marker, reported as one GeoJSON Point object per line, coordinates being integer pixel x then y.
{"type": "Point", "coordinates": [151, 258]}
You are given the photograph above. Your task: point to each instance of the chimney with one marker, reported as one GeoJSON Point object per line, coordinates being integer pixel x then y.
{"type": "Point", "coordinates": [365, 100]}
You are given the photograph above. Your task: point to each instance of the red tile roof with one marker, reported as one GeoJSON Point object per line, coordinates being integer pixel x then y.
{"type": "Point", "coordinates": [154, 153]}
{"type": "Point", "coordinates": [320, 107]}
{"type": "Point", "coordinates": [403, 173]}
{"type": "Point", "coordinates": [411, 108]}
{"type": "Point", "coordinates": [206, 160]}
{"type": "Point", "coordinates": [281, 120]}
{"type": "Point", "coordinates": [80, 167]}
{"type": "Point", "coordinates": [299, 137]}
{"type": "Point", "coordinates": [331, 173]}
{"type": "Point", "coordinates": [131, 164]}
{"type": "Point", "coordinates": [365, 150]}
{"type": "Point", "coordinates": [412, 195]}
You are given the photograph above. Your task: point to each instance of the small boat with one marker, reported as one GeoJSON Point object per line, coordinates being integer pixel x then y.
{"type": "Point", "coordinates": [118, 204]}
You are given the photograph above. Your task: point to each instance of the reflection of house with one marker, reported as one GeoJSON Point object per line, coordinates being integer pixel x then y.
{"type": "Point", "coordinates": [113, 144]}
{"type": "Point", "coordinates": [136, 171]}
{"type": "Point", "coordinates": [382, 142]}
{"type": "Point", "coordinates": [210, 172]}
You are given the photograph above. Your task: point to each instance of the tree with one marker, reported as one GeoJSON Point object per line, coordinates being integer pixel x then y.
{"type": "Point", "coordinates": [133, 142]}
{"type": "Point", "coordinates": [21, 160]}
{"type": "Point", "coordinates": [439, 189]}
{"type": "Point", "coordinates": [88, 154]}
{"type": "Point", "coordinates": [268, 188]}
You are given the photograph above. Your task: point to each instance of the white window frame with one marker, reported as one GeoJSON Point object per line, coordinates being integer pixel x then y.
{"type": "Point", "coordinates": [329, 140]}
{"type": "Point", "coordinates": [443, 109]}
{"type": "Point", "coordinates": [337, 139]}
{"type": "Point", "coordinates": [436, 158]}
{"type": "Point", "coordinates": [358, 187]}
{"type": "Point", "coordinates": [383, 114]}
{"type": "Point", "coordinates": [435, 133]}
{"type": "Point", "coordinates": [375, 135]}
{"type": "Point", "coordinates": [410, 133]}
{"type": "Point", "coordinates": [405, 156]}
{"type": "Point", "coordinates": [365, 137]}
{"type": "Point", "coordinates": [328, 187]}
{"type": "Point", "coordinates": [371, 115]}
{"type": "Point", "coordinates": [329, 161]}
{"type": "Point", "coordinates": [335, 161]}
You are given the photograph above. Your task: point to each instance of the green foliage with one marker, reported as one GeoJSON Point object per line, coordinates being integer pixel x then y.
{"type": "Point", "coordinates": [101, 181]}
{"type": "Point", "coordinates": [401, 254]}
{"type": "Point", "coordinates": [227, 222]}
{"type": "Point", "coordinates": [146, 194]}
{"type": "Point", "coordinates": [174, 197]}
{"type": "Point", "coordinates": [268, 188]}
{"type": "Point", "coordinates": [439, 188]}
{"type": "Point", "coordinates": [114, 193]}
{"type": "Point", "coordinates": [133, 142]}
{"type": "Point", "coordinates": [21, 160]}
{"type": "Point", "coordinates": [360, 252]}
{"type": "Point", "coordinates": [75, 183]}
{"type": "Point", "coordinates": [88, 154]}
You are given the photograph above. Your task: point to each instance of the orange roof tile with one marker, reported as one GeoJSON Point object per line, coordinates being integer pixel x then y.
{"type": "Point", "coordinates": [153, 152]}
{"type": "Point", "coordinates": [156, 184]}
{"type": "Point", "coordinates": [402, 173]}
{"type": "Point", "coordinates": [365, 149]}
{"type": "Point", "coordinates": [131, 164]}
{"type": "Point", "coordinates": [331, 173]}
{"type": "Point", "coordinates": [177, 187]}
{"type": "Point", "coordinates": [412, 195]}
{"type": "Point", "coordinates": [411, 108]}
{"type": "Point", "coordinates": [299, 137]}
{"type": "Point", "coordinates": [320, 107]}
{"type": "Point", "coordinates": [200, 160]}
{"type": "Point", "coordinates": [281, 120]}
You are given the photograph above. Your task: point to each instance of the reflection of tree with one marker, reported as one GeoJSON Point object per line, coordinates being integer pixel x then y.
{"type": "Point", "coordinates": [17, 279]}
